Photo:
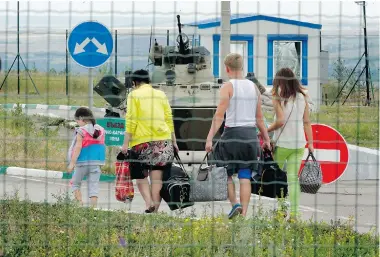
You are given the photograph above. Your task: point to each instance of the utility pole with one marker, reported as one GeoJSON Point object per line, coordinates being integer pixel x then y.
{"type": "Point", "coordinates": [363, 3]}
{"type": "Point", "coordinates": [225, 36]}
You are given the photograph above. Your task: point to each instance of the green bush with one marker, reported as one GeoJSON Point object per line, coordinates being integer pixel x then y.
{"type": "Point", "coordinates": [62, 229]}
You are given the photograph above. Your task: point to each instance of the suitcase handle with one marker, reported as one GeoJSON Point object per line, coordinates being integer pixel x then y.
{"type": "Point", "coordinates": [176, 156]}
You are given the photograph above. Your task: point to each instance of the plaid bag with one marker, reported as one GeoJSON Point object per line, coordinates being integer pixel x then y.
{"type": "Point", "coordinates": [124, 191]}
{"type": "Point", "coordinates": [311, 176]}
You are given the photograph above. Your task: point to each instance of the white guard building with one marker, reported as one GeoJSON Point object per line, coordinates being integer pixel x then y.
{"type": "Point", "coordinates": [268, 44]}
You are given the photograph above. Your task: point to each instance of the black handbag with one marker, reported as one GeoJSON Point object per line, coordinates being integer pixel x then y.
{"type": "Point", "coordinates": [136, 167]}
{"type": "Point", "coordinates": [176, 186]}
{"type": "Point", "coordinates": [270, 180]}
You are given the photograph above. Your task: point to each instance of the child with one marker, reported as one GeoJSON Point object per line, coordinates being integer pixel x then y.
{"type": "Point", "coordinates": [87, 154]}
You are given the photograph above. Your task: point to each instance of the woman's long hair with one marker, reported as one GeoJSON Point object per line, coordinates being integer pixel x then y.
{"type": "Point", "coordinates": [286, 85]}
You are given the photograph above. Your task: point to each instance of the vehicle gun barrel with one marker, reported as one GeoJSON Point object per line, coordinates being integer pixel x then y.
{"type": "Point", "coordinates": [181, 44]}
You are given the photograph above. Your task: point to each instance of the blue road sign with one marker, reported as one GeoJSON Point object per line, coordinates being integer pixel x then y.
{"type": "Point", "coordinates": [90, 44]}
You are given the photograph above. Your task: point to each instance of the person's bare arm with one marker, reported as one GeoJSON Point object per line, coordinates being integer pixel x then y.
{"type": "Point", "coordinates": [260, 118]}
{"type": "Point", "coordinates": [260, 121]}
{"type": "Point", "coordinates": [307, 126]}
{"type": "Point", "coordinates": [76, 152]}
{"type": "Point", "coordinates": [225, 95]}
{"type": "Point", "coordinates": [279, 122]}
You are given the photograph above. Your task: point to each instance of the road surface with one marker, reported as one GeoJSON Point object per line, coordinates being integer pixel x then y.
{"type": "Point", "coordinates": [337, 201]}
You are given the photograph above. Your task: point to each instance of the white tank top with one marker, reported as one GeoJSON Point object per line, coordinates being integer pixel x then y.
{"type": "Point", "coordinates": [292, 136]}
{"type": "Point", "coordinates": [243, 103]}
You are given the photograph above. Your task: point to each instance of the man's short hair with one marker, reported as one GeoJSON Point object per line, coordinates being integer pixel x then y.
{"type": "Point", "coordinates": [234, 61]}
{"type": "Point", "coordinates": [140, 76]}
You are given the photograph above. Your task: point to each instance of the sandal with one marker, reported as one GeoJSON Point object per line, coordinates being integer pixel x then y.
{"type": "Point", "coordinates": [150, 209]}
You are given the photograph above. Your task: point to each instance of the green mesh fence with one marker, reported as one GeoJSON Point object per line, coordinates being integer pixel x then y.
{"type": "Point", "coordinates": [58, 56]}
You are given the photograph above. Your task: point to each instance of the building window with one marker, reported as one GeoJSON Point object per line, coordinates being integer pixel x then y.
{"type": "Point", "coordinates": [287, 51]}
{"type": "Point", "coordinates": [235, 39]}
{"type": "Point", "coordinates": [287, 54]}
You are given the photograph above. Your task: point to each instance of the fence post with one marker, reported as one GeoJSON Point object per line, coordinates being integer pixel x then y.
{"type": "Point", "coordinates": [116, 53]}
{"type": "Point", "coordinates": [67, 65]}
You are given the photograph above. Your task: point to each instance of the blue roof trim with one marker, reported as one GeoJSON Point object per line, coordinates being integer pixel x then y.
{"type": "Point", "coordinates": [291, 37]}
{"type": "Point", "coordinates": [235, 37]}
{"type": "Point", "coordinates": [236, 19]}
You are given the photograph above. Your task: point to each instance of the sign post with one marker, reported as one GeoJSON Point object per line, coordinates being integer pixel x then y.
{"type": "Point", "coordinates": [330, 150]}
{"type": "Point", "coordinates": [90, 44]}
{"type": "Point", "coordinates": [90, 88]}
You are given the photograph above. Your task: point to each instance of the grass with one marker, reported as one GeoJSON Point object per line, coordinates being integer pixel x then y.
{"type": "Point", "coordinates": [62, 229]}
{"type": "Point", "coordinates": [34, 142]}
{"type": "Point", "coordinates": [24, 144]}
{"type": "Point", "coordinates": [52, 90]}
{"type": "Point", "coordinates": [359, 126]}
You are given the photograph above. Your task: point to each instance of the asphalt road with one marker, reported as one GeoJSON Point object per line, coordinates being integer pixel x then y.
{"type": "Point", "coordinates": [339, 201]}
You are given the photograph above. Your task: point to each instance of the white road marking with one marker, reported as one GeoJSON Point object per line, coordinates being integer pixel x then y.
{"type": "Point", "coordinates": [37, 180]}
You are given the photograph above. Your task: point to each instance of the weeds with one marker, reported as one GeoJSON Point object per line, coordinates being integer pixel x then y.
{"type": "Point", "coordinates": [63, 229]}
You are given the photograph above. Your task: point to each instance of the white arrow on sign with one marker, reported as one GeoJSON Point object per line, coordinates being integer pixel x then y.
{"type": "Point", "coordinates": [102, 48]}
{"type": "Point", "coordinates": [79, 48]}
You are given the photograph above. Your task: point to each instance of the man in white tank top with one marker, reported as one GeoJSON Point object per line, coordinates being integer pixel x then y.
{"type": "Point", "coordinates": [239, 145]}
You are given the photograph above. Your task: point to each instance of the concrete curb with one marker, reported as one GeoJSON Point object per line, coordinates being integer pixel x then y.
{"type": "Point", "coordinates": [39, 173]}
{"type": "Point", "coordinates": [47, 107]}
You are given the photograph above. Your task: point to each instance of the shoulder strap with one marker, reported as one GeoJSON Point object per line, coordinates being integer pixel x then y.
{"type": "Point", "coordinates": [283, 127]}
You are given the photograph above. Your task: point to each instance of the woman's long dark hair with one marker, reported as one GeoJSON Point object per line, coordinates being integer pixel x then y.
{"type": "Point", "coordinates": [85, 114]}
{"type": "Point", "coordinates": [289, 85]}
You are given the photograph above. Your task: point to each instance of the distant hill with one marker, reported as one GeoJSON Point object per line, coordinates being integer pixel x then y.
{"type": "Point", "coordinates": [133, 53]}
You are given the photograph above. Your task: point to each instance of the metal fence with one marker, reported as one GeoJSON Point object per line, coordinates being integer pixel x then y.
{"type": "Point", "coordinates": [49, 67]}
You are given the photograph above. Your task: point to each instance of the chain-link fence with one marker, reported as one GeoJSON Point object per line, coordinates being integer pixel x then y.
{"type": "Point", "coordinates": [58, 56]}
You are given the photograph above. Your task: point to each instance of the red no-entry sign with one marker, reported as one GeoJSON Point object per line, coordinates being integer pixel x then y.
{"type": "Point", "coordinates": [330, 150]}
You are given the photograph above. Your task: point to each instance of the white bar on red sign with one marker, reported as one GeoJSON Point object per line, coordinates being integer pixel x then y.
{"type": "Point", "coordinates": [324, 155]}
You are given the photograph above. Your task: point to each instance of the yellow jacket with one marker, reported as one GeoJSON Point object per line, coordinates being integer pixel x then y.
{"type": "Point", "coordinates": [149, 115]}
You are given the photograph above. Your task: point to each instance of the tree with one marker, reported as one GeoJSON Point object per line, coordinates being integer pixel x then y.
{"type": "Point", "coordinates": [34, 68]}
{"type": "Point", "coordinates": [53, 72]}
{"type": "Point", "coordinates": [340, 72]}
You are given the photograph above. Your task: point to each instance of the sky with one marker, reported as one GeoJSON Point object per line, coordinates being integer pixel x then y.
{"type": "Point", "coordinates": [122, 14]}
{"type": "Point", "coordinates": [42, 22]}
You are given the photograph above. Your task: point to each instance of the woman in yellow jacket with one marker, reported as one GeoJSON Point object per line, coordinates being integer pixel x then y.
{"type": "Point", "coordinates": [150, 134]}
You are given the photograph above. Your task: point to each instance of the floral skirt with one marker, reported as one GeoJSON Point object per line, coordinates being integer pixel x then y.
{"type": "Point", "coordinates": [155, 155]}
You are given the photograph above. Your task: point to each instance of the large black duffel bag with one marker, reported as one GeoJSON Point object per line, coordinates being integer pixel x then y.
{"type": "Point", "coordinates": [270, 180]}
{"type": "Point", "coordinates": [176, 187]}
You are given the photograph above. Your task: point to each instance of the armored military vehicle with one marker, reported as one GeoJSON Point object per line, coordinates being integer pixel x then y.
{"type": "Point", "coordinates": [184, 73]}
